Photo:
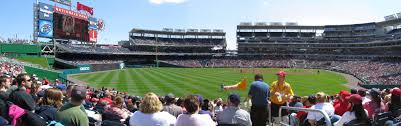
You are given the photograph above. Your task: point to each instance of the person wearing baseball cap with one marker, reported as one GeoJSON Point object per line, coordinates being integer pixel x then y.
{"type": "Point", "coordinates": [233, 114]}
{"type": "Point", "coordinates": [357, 112]}
{"type": "Point", "coordinates": [342, 105]}
{"type": "Point", "coordinates": [280, 93]}
{"type": "Point", "coordinates": [395, 101]}
{"type": "Point", "coordinates": [170, 106]}
{"type": "Point", "coordinates": [71, 113]}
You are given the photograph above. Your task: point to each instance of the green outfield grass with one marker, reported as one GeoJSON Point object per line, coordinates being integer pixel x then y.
{"type": "Point", "coordinates": [36, 60]}
{"type": "Point", "coordinates": [207, 81]}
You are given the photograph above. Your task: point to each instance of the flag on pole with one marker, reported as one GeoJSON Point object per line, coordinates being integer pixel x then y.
{"type": "Point", "coordinates": [85, 8]}
{"type": "Point", "coordinates": [241, 85]}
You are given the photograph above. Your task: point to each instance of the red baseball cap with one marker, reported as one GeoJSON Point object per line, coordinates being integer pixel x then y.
{"type": "Point", "coordinates": [344, 93]}
{"type": "Point", "coordinates": [355, 99]}
{"type": "Point", "coordinates": [396, 91]}
{"type": "Point", "coordinates": [281, 73]}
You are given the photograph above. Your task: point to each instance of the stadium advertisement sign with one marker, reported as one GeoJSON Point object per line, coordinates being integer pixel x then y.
{"type": "Point", "coordinates": [92, 35]}
{"type": "Point", "coordinates": [46, 12]}
{"type": "Point", "coordinates": [65, 2]}
{"type": "Point", "coordinates": [84, 68]}
{"type": "Point", "coordinates": [70, 13]}
{"type": "Point", "coordinates": [45, 29]}
{"type": "Point", "coordinates": [92, 23]}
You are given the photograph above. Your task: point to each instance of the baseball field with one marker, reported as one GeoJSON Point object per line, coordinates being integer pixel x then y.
{"type": "Point", "coordinates": [207, 81]}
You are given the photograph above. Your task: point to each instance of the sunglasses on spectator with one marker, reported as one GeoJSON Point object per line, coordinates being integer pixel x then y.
{"type": "Point", "coordinates": [29, 80]}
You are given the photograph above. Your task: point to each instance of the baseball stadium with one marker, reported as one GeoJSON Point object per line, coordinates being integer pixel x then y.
{"type": "Point", "coordinates": [280, 73]}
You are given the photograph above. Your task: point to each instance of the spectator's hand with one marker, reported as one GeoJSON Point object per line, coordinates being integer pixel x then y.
{"type": "Point", "coordinates": [277, 94]}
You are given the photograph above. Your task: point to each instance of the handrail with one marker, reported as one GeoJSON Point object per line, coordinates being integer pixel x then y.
{"type": "Point", "coordinates": [325, 116]}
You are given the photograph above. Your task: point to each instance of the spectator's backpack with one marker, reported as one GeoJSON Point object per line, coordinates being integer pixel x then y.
{"type": "Point", "coordinates": [21, 117]}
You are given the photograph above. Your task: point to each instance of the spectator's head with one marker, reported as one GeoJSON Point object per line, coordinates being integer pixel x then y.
{"type": "Point", "coordinates": [320, 97]}
{"type": "Point", "coordinates": [396, 96]}
{"type": "Point", "coordinates": [169, 98]}
{"type": "Point", "coordinates": [295, 99]}
{"type": "Point", "coordinates": [69, 89]}
{"type": "Point", "coordinates": [5, 82]}
{"type": "Point", "coordinates": [150, 103]}
{"type": "Point", "coordinates": [258, 77]}
{"type": "Point", "coordinates": [343, 94]}
{"type": "Point", "coordinates": [234, 100]}
{"type": "Point", "coordinates": [118, 102]}
{"type": "Point", "coordinates": [78, 94]}
{"type": "Point", "coordinates": [362, 92]}
{"type": "Point", "coordinates": [24, 80]}
{"type": "Point", "coordinates": [281, 76]}
{"type": "Point", "coordinates": [35, 87]}
{"type": "Point", "coordinates": [53, 97]}
{"type": "Point", "coordinates": [354, 91]}
{"type": "Point", "coordinates": [191, 104]}
{"type": "Point", "coordinates": [374, 93]}
{"type": "Point", "coordinates": [312, 100]}
{"type": "Point", "coordinates": [356, 106]}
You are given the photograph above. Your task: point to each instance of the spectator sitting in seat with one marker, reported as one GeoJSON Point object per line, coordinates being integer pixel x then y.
{"type": "Point", "coordinates": [314, 117]}
{"type": "Point", "coordinates": [233, 114]}
{"type": "Point", "coordinates": [71, 113]}
{"type": "Point", "coordinates": [170, 106]}
{"type": "Point", "coordinates": [192, 118]}
{"type": "Point", "coordinates": [149, 113]}
{"type": "Point", "coordinates": [375, 106]}
{"type": "Point", "coordinates": [117, 108]}
{"type": "Point", "coordinates": [49, 104]}
{"type": "Point", "coordinates": [395, 102]}
{"type": "Point", "coordinates": [356, 112]}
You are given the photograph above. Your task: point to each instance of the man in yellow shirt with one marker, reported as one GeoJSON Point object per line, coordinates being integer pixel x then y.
{"type": "Point", "coordinates": [280, 94]}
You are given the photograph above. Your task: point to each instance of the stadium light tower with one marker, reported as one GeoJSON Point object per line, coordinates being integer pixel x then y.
{"type": "Point", "coordinates": [157, 53]}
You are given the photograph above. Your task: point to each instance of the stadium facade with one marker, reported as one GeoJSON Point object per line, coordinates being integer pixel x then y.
{"type": "Point", "coordinates": [367, 41]}
{"type": "Point", "coordinates": [190, 41]}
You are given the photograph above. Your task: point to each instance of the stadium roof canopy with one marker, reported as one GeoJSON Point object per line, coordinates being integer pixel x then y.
{"type": "Point", "coordinates": [202, 32]}
{"type": "Point", "coordinates": [278, 27]}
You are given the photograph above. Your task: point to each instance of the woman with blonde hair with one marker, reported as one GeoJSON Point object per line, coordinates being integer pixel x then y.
{"type": "Point", "coordinates": [149, 113]}
{"type": "Point", "coordinates": [315, 118]}
{"type": "Point", "coordinates": [50, 103]}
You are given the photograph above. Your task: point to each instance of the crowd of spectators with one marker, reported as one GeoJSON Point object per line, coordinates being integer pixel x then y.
{"type": "Point", "coordinates": [369, 71]}
{"type": "Point", "coordinates": [30, 100]}
{"type": "Point", "coordinates": [95, 61]}
{"type": "Point", "coordinates": [93, 49]}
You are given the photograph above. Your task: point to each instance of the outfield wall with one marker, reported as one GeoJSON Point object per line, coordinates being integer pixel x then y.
{"type": "Point", "coordinates": [51, 75]}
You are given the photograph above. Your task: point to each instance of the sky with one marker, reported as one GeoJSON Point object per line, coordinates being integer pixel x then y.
{"type": "Point", "coordinates": [121, 16]}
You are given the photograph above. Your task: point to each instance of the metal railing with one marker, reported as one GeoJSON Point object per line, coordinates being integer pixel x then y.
{"type": "Point", "coordinates": [325, 116]}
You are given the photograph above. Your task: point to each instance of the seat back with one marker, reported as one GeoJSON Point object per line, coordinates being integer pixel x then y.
{"type": "Point", "coordinates": [229, 125]}
{"type": "Point", "coordinates": [111, 123]}
{"type": "Point", "coordinates": [110, 116]}
{"type": "Point", "coordinates": [357, 123]}
{"type": "Point", "coordinates": [381, 118]}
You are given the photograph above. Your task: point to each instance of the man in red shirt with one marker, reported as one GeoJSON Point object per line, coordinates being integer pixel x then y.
{"type": "Point", "coordinates": [106, 98]}
{"type": "Point", "coordinates": [342, 105]}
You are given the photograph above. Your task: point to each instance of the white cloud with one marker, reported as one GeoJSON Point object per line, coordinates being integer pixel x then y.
{"type": "Point", "coordinates": [167, 1]}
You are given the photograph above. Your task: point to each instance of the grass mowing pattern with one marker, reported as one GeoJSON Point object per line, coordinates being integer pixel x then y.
{"type": "Point", "coordinates": [206, 81]}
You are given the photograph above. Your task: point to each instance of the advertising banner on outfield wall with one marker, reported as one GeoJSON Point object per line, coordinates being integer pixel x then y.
{"type": "Point", "coordinates": [45, 29]}
{"type": "Point", "coordinates": [85, 68]}
{"type": "Point", "coordinates": [65, 2]}
{"type": "Point", "coordinates": [46, 12]}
